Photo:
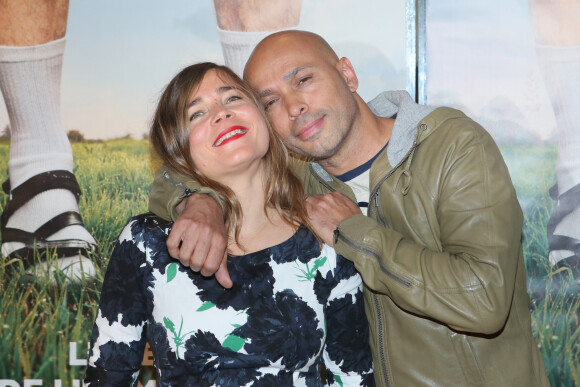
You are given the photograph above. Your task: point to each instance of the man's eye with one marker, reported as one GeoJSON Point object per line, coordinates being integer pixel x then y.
{"type": "Point", "coordinates": [268, 104]}
{"type": "Point", "coordinates": [304, 80]}
{"type": "Point", "coordinates": [195, 115]}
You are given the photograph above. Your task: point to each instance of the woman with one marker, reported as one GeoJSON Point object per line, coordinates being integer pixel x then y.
{"type": "Point", "coordinates": [294, 307]}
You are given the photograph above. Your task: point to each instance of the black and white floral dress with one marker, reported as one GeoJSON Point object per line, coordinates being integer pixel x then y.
{"type": "Point", "coordinates": [293, 308]}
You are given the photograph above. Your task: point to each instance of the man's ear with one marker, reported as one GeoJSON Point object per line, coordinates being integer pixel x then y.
{"type": "Point", "coordinates": [346, 70]}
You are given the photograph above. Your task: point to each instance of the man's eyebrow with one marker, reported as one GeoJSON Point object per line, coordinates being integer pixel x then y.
{"type": "Point", "coordinates": [264, 93]}
{"type": "Point", "coordinates": [292, 73]}
{"type": "Point", "coordinates": [286, 77]}
{"type": "Point", "coordinates": [219, 90]}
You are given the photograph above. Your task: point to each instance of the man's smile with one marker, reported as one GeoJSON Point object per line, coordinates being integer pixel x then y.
{"type": "Point", "coordinates": [309, 130]}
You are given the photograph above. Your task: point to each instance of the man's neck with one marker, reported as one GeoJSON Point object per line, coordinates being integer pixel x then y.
{"type": "Point", "coordinates": [365, 140]}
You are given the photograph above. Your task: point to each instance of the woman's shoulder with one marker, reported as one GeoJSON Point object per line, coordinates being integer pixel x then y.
{"type": "Point", "coordinates": [150, 220]}
{"type": "Point", "coordinates": [145, 225]}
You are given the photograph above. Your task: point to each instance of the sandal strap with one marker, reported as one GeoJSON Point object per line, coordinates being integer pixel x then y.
{"type": "Point", "coordinates": [61, 248]}
{"type": "Point", "coordinates": [563, 242]}
{"type": "Point", "coordinates": [55, 224]}
{"type": "Point", "coordinates": [566, 204]}
{"type": "Point", "coordinates": [572, 262]}
{"type": "Point", "coordinates": [60, 179]}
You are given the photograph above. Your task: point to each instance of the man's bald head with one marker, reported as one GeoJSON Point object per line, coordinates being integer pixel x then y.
{"type": "Point", "coordinates": [291, 42]}
{"type": "Point", "coordinates": [308, 92]}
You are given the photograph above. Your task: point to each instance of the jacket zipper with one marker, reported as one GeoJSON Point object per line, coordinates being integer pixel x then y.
{"type": "Point", "coordinates": [381, 338]}
{"type": "Point", "coordinates": [382, 345]}
{"type": "Point", "coordinates": [187, 192]}
{"type": "Point", "coordinates": [375, 192]}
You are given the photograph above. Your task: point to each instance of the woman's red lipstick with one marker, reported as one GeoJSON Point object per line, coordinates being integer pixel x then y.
{"type": "Point", "coordinates": [230, 134]}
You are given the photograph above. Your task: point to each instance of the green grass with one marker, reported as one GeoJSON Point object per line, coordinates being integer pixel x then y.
{"type": "Point", "coordinates": [554, 299]}
{"type": "Point", "coordinates": [38, 319]}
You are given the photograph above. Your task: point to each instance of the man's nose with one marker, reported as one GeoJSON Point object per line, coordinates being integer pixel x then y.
{"type": "Point", "coordinates": [296, 107]}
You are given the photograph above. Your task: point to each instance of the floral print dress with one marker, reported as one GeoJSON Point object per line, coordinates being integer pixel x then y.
{"type": "Point", "coordinates": [294, 307]}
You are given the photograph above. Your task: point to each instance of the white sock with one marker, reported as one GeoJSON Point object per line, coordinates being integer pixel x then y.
{"type": "Point", "coordinates": [238, 45]}
{"type": "Point", "coordinates": [560, 65]}
{"type": "Point", "coordinates": [30, 82]}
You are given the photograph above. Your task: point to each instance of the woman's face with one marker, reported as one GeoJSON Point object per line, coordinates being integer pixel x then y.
{"type": "Point", "coordinates": [228, 135]}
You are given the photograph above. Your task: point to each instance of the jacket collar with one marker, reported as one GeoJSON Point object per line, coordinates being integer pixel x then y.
{"type": "Point", "coordinates": [409, 116]}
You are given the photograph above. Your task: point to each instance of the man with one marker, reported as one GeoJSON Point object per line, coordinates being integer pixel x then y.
{"type": "Point", "coordinates": [439, 250]}
{"type": "Point", "coordinates": [42, 210]}
{"type": "Point", "coordinates": [557, 36]}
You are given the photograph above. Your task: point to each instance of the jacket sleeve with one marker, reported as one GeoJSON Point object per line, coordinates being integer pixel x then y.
{"type": "Point", "coordinates": [466, 279]}
{"type": "Point", "coordinates": [169, 189]}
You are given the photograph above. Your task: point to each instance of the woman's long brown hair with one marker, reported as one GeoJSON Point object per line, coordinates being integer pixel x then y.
{"type": "Point", "coordinates": [170, 140]}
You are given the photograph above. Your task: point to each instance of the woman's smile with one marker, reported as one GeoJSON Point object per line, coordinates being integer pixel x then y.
{"type": "Point", "coordinates": [230, 134]}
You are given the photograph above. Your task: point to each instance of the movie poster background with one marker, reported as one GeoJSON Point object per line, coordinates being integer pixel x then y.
{"type": "Point", "coordinates": [118, 58]}
{"type": "Point", "coordinates": [479, 57]}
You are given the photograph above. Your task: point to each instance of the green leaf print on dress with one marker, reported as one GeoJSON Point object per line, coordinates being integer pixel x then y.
{"type": "Point", "coordinates": [177, 336]}
{"type": "Point", "coordinates": [205, 306]}
{"type": "Point", "coordinates": [307, 273]}
{"type": "Point", "coordinates": [233, 342]}
{"type": "Point", "coordinates": [171, 271]}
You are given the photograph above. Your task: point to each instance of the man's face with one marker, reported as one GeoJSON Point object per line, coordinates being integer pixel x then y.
{"type": "Point", "coordinates": [306, 97]}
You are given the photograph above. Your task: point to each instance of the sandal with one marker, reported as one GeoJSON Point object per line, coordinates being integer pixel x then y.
{"type": "Point", "coordinates": [565, 204]}
{"type": "Point", "coordinates": [37, 240]}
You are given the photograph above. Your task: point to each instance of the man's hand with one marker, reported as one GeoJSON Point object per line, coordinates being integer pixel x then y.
{"type": "Point", "coordinates": [326, 211]}
{"type": "Point", "coordinates": [198, 238]}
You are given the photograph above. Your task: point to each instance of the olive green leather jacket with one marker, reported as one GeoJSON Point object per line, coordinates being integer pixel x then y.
{"type": "Point", "coordinates": [440, 252]}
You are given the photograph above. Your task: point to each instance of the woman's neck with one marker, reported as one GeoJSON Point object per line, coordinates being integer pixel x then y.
{"type": "Point", "coordinates": [261, 226]}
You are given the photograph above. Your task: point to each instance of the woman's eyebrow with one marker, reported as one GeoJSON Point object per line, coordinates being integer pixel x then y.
{"type": "Point", "coordinates": [219, 90]}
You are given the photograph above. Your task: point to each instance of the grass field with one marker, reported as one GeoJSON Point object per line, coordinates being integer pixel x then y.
{"type": "Point", "coordinates": [39, 320]}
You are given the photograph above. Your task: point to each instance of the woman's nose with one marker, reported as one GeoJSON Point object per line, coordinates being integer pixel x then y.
{"type": "Point", "coordinates": [221, 114]}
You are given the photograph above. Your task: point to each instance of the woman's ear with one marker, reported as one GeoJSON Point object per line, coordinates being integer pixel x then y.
{"type": "Point", "coordinates": [347, 72]}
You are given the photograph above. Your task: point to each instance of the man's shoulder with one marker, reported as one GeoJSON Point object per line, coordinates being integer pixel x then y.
{"type": "Point", "coordinates": [450, 119]}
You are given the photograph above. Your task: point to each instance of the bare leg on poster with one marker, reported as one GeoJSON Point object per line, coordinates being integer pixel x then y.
{"type": "Point", "coordinates": [243, 23]}
{"type": "Point", "coordinates": [42, 211]}
{"type": "Point", "coordinates": [557, 35]}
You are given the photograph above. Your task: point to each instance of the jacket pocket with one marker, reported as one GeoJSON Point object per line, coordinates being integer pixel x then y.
{"type": "Point", "coordinates": [467, 359]}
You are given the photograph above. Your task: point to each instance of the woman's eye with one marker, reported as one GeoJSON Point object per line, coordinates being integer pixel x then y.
{"type": "Point", "coordinates": [233, 98]}
{"type": "Point", "coordinates": [195, 115]}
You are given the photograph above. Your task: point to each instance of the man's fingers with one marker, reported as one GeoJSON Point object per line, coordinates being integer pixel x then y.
{"type": "Point", "coordinates": [174, 242]}
{"type": "Point", "coordinates": [213, 257]}
{"type": "Point", "coordinates": [196, 254]}
{"type": "Point", "coordinates": [222, 275]}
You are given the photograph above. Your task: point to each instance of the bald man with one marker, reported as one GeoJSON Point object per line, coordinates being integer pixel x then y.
{"type": "Point", "coordinates": [42, 211]}
{"type": "Point", "coordinates": [418, 198]}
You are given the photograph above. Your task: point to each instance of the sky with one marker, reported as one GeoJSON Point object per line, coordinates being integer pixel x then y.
{"type": "Point", "coordinates": [481, 59]}
{"type": "Point", "coordinates": [120, 55]}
